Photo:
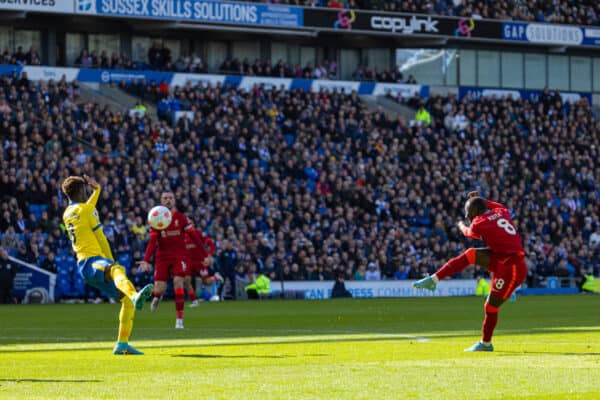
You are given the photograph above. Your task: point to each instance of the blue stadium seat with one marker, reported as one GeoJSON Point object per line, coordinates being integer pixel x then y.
{"type": "Point", "coordinates": [78, 286]}
{"type": "Point", "coordinates": [37, 209]}
{"type": "Point", "coordinates": [290, 139]}
{"type": "Point", "coordinates": [125, 260]}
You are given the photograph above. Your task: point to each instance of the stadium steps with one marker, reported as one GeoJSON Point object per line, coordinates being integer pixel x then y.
{"type": "Point", "coordinates": [116, 99]}
{"type": "Point", "coordinates": [390, 107]}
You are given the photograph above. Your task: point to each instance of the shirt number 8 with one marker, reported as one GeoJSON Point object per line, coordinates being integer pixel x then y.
{"type": "Point", "coordinates": [508, 228]}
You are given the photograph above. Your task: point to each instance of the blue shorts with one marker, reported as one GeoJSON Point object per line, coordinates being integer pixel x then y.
{"type": "Point", "coordinates": [92, 271]}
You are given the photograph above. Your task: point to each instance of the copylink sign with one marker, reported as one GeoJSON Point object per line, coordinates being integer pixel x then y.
{"type": "Point", "coordinates": [404, 25]}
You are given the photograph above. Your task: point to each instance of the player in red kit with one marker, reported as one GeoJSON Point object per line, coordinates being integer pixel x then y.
{"type": "Point", "coordinates": [198, 260]}
{"type": "Point", "coordinates": [503, 257]}
{"type": "Point", "coordinates": [168, 248]}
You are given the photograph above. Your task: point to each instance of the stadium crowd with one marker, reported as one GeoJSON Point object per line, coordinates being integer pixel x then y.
{"type": "Point", "coordinates": [302, 185]}
{"type": "Point", "coordinates": [31, 57]}
{"type": "Point", "coordinates": [584, 12]}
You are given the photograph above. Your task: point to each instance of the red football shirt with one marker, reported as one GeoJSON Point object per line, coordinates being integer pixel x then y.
{"type": "Point", "coordinates": [496, 229]}
{"type": "Point", "coordinates": [170, 242]}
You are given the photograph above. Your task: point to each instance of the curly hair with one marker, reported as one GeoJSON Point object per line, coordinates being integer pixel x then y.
{"type": "Point", "coordinates": [72, 186]}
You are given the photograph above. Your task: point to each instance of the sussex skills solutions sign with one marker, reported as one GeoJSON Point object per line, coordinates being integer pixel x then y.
{"type": "Point", "coordinates": [219, 12]}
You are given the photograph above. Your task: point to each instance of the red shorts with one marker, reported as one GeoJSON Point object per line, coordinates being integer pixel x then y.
{"type": "Point", "coordinates": [198, 268]}
{"type": "Point", "coordinates": [164, 268]}
{"type": "Point", "coordinates": [509, 271]}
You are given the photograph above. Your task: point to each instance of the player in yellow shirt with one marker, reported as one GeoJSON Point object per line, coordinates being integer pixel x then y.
{"type": "Point", "coordinates": [94, 258]}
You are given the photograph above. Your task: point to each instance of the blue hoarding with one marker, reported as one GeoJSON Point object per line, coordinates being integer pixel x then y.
{"type": "Point", "coordinates": [219, 12]}
{"type": "Point", "coordinates": [475, 93]}
{"type": "Point", "coordinates": [569, 35]}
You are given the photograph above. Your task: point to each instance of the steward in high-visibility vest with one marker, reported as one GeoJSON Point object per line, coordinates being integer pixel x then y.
{"type": "Point", "coordinates": [483, 287]}
{"type": "Point", "coordinates": [261, 287]}
{"type": "Point", "coordinates": [423, 116]}
{"type": "Point", "coordinates": [589, 283]}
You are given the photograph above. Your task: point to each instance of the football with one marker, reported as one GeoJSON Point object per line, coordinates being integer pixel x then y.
{"type": "Point", "coordinates": [159, 217]}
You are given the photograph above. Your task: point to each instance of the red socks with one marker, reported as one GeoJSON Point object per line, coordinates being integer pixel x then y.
{"type": "Point", "coordinates": [179, 301]}
{"type": "Point", "coordinates": [489, 322]}
{"type": "Point", "coordinates": [457, 264]}
{"type": "Point", "coordinates": [192, 295]}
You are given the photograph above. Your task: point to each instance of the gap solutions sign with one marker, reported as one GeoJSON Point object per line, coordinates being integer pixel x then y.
{"type": "Point", "coordinates": [46, 6]}
{"type": "Point", "coordinates": [218, 12]}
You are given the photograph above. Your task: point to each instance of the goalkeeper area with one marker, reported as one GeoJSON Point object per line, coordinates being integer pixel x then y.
{"type": "Point", "coordinates": [546, 348]}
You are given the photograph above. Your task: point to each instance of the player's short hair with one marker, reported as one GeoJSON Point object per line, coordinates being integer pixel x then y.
{"type": "Point", "coordinates": [477, 204]}
{"type": "Point", "coordinates": [72, 186]}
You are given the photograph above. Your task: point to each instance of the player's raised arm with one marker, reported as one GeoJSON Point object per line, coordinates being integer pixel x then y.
{"type": "Point", "coordinates": [467, 231]}
{"type": "Point", "coordinates": [96, 187]}
{"type": "Point", "coordinates": [193, 234]}
{"type": "Point", "coordinates": [152, 245]}
{"type": "Point", "coordinates": [103, 242]}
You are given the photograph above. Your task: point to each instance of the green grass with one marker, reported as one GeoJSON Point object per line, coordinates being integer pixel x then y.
{"type": "Point", "coordinates": [546, 348]}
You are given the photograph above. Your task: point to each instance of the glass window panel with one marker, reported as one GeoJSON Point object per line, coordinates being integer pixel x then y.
{"type": "Point", "coordinates": [27, 39]}
{"type": "Point", "coordinates": [581, 74]}
{"type": "Point", "coordinates": [425, 65]}
{"type": "Point", "coordinates": [512, 70]}
{"type": "Point", "coordinates": [5, 39]}
{"type": "Point", "coordinates": [75, 43]}
{"type": "Point", "coordinates": [558, 72]}
{"type": "Point", "coordinates": [596, 76]}
{"type": "Point", "coordinates": [535, 71]}
{"type": "Point", "coordinates": [349, 61]}
{"type": "Point", "coordinates": [174, 47]}
{"type": "Point", "coordinates": [278, 52]}
{"type": "Point", "coordinates": [307, 56]}
{"type": "Point", "coordinates": [97, 43]}
{"type": "Point", "coordinates": [139, 48]}
{"type": "Point", "coordinates": [216, 53]}
{"type": "Point", "coordinates": [451, 60]}
{"type": "Point", "coordinates": [246, 50]}
{"type": "Point", "coordinates": [467, 68]}
{"type": "Point", "coordinates": [378, 58]}
{"type": "Point", "coordinates": [488, 68]}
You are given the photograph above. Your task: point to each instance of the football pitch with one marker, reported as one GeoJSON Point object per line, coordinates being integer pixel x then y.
{"type": "Point", "coordinates": [546, 348]}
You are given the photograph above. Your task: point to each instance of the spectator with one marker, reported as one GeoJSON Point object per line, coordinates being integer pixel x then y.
{"type": "Point", "coordinates": [360, 274]}
{"type": "Point", "coordinates": [8, 270]}
{"type": "Point", "coordinates": [373, 273]}
{"type": "Point", "coordinates": [422, 116]}
{"type": "Point", "coordinates": [49, 262]}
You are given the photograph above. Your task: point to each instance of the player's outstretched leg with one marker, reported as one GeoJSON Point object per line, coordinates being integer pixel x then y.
{"type": "Point", "coordinates": [452, 267]}
{"type": "Point", "coordinates": [457, 264]}
{"type": "Point", "coordinates": [426, 283]}
{"type": "Point", "coordinates": [144, 294]}
{"type": "Point", "coordinates": [125, 326]}
{"type": "Point", "coordinates": [159, 290]}
{"type": "Point", "coordinates": [119, 277]}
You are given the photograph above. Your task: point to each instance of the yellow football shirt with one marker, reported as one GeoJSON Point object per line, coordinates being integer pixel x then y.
{"type": "Point", "coordinates": [81, 221]}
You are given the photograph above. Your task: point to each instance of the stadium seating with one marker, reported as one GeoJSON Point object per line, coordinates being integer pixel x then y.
{"type": "Point", "coordinates": [558, 11]}
{"type": "Point", "coordinates": [306, 185]}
